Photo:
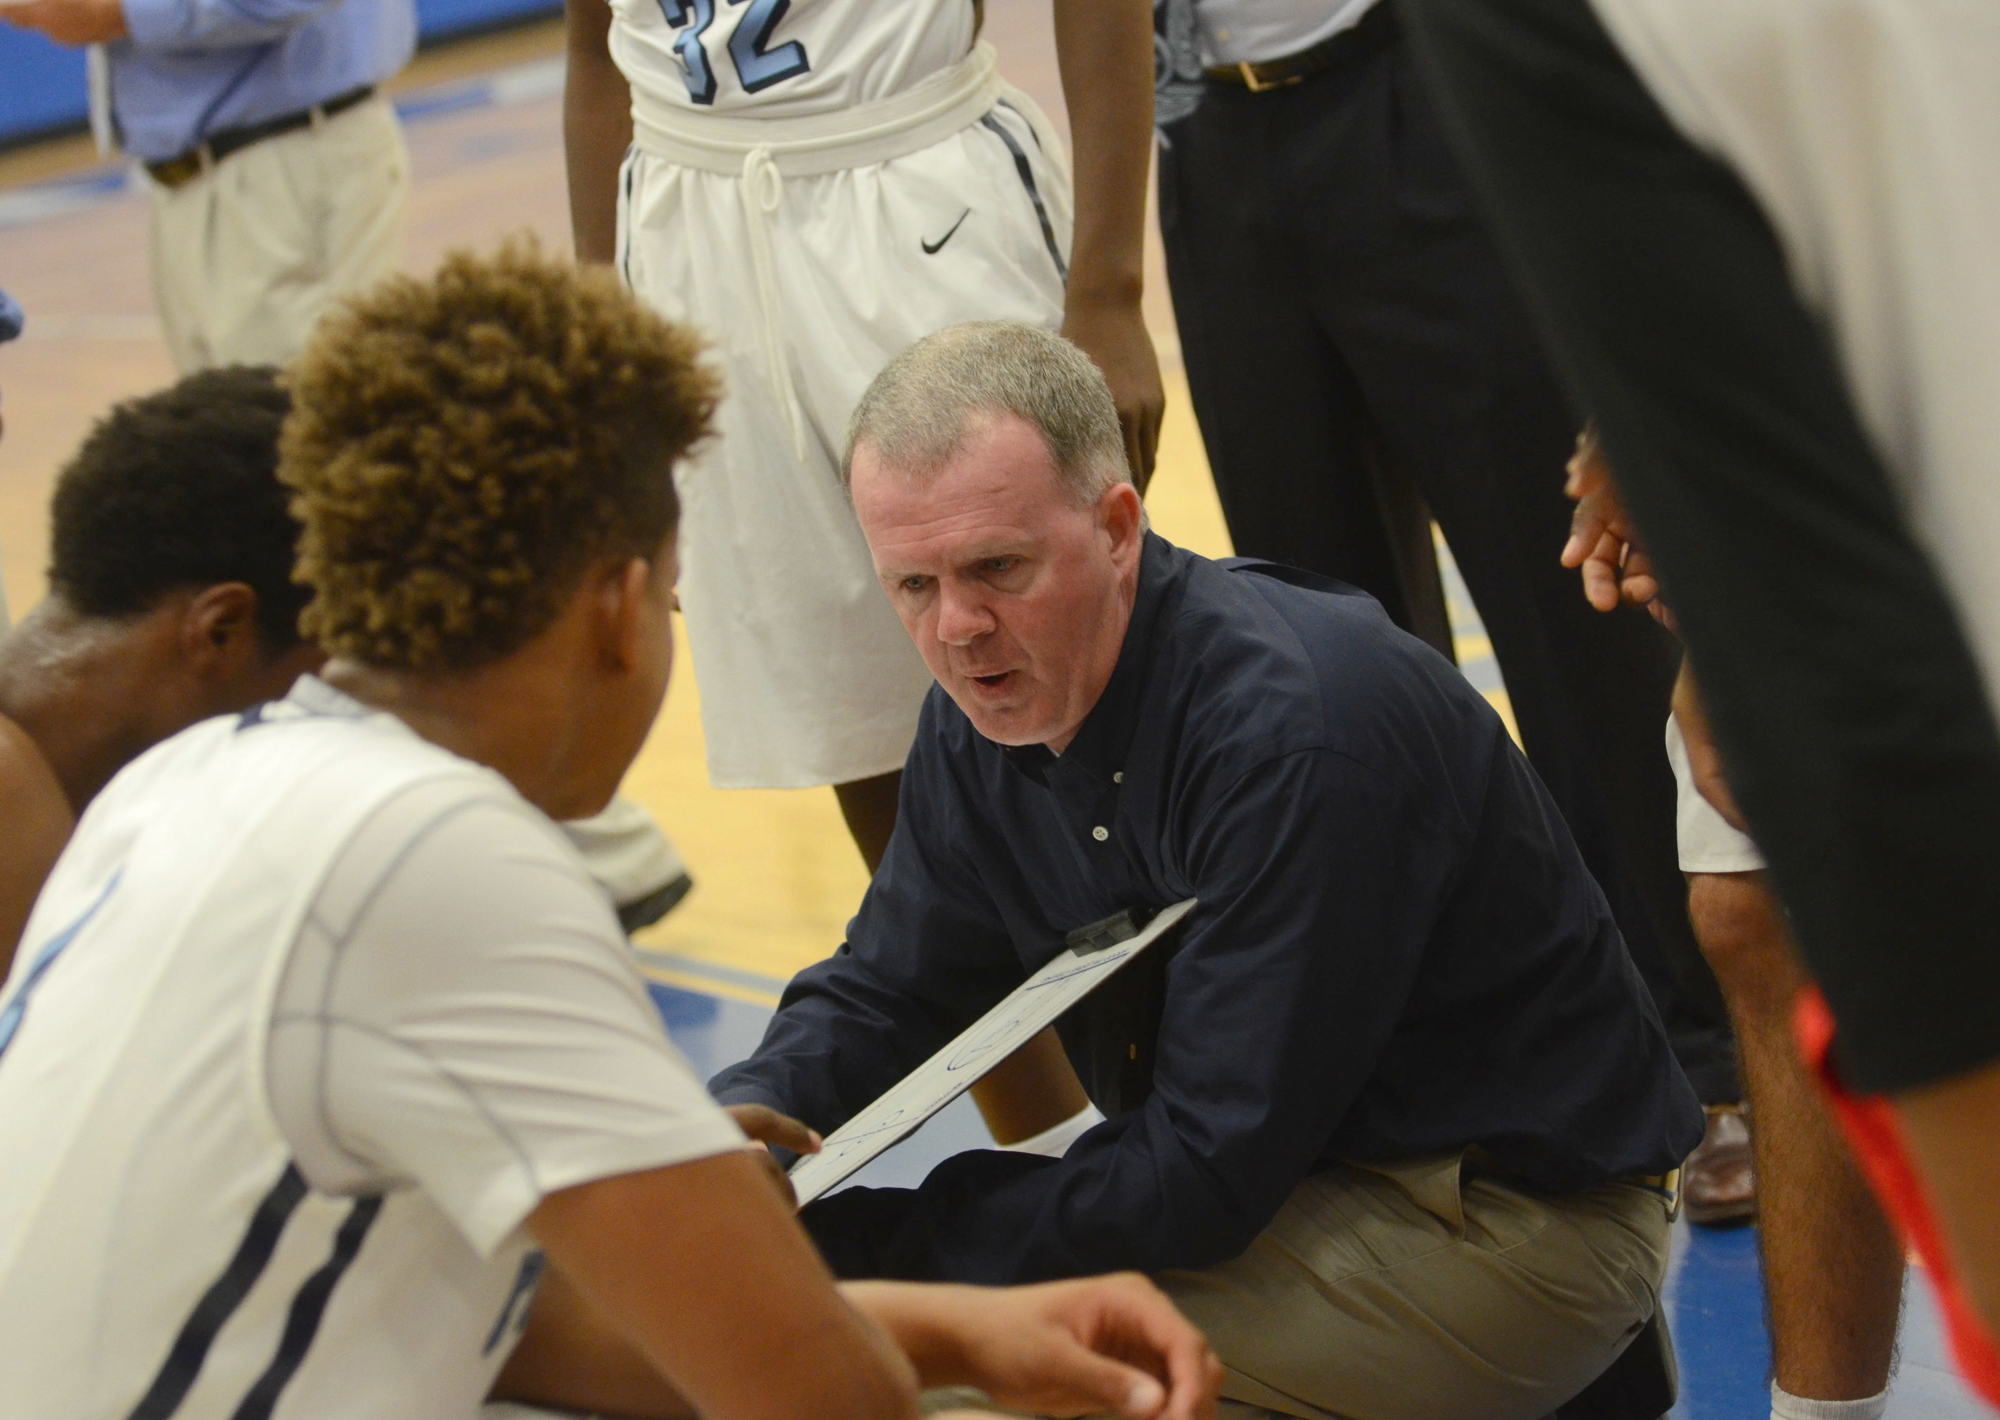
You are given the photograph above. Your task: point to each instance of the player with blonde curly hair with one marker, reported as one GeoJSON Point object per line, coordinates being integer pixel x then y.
{"type": "Point", "coordinates": [331, 1088]}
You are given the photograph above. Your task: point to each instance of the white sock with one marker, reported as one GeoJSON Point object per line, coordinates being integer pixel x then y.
{"type": "Point", "coordinates": [1786, 1406]}
{"type": "Point", "coordinates": [1055, 1140]}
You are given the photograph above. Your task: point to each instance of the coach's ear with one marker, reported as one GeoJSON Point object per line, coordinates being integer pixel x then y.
{"type": "Point", "coordinates": [1121, 517]}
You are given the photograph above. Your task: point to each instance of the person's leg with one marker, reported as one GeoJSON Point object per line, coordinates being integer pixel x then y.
{"type": "Point", "coordinates": [1297, 465]}
{"type": "Point", "coordinates": [175, 241]}
{"type": "Point", "coordinates": [1404, 277]}
{"type": "Point", "coordinates": [249, 254]}
{"type": "Point", "coordinates": [1833, 1269]}
{"type": "Point", "coordinates": [1867, 760]}
{"type": "Point", "coordinates": [639, 869]}
{"type": "Point", "coordinates": [1408, 1293]}
{"type": "Point", "coordinates": [367, 171]}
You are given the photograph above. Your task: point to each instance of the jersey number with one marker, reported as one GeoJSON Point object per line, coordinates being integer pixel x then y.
{"type": "Point", "coordinates": [757, 66]}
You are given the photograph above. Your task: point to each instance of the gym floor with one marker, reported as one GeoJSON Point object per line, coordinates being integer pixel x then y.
{"type": "Point", "coordinates": [776, 874]}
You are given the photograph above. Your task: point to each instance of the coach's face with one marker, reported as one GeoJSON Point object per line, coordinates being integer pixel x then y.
{"type": "Point", "coordinates": [1017, 596]}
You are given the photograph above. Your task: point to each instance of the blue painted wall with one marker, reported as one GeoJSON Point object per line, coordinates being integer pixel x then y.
{"type": "Point", "coordinates": [41, 84]}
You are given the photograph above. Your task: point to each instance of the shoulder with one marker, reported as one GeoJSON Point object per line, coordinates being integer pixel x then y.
{"type": "Point", "coordinates": [1279, 660]}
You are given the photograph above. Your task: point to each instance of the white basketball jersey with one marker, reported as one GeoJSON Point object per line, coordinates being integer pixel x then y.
{"type": "Point", "coordinates": [785, 58]}
{"type": "Point", "coordinates": [162, 1250]}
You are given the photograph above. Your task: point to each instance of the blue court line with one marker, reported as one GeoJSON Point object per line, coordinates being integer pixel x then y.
{"type": "Point", "coordinates": [737, 976]}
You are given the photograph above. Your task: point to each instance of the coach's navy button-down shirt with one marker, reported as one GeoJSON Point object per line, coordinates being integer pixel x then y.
{"type": "Point", "coordinates": [1398, 949]}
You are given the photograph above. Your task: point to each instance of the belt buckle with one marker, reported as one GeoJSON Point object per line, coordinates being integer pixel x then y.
{"type": "Point", "coordinates": [178, 172]}
{"type": "Point", "coordinates": [1257, 84]}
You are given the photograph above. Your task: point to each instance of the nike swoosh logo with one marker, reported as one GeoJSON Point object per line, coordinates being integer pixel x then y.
{"type": "Point", "coordinates": [933, 248]}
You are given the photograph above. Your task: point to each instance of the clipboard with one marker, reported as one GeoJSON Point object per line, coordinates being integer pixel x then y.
{"type": "Point", "coordinates": [1092, 956]}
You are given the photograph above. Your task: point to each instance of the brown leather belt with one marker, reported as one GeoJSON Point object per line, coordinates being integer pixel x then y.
{"type": "Point", "coordinates": [1361, 38]}
{"type": "Point", "coordinates": [184, 168]}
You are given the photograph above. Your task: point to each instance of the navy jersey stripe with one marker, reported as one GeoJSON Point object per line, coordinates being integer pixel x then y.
{"type": "Point", "coordinates": [1027, 173]}
{"type": "Point", "coordinates": [631, 175]}
{"type": "Point", "coordinates": [219, 1303]}
{"type": "Point", "coordinates": [308, 1309]}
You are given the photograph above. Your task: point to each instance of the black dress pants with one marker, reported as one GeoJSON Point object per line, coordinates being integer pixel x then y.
{"type": "Point", "coordinates": [1858, 733]}
{"type": "Point", "coordinates": [1359, 363]}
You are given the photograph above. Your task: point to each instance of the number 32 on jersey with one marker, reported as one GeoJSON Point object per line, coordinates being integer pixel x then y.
{"type": "Point", "coordinates": [757, 65]}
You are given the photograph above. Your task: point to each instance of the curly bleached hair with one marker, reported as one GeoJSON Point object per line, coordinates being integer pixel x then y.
{"type": "Point", "coordinates": [462, 448]}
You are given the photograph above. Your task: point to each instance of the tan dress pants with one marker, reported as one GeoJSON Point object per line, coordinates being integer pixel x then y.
{"type": "Point", "coordinates": [1420, 1292]}
{"type": "Point", "coordinates": [247, 255]}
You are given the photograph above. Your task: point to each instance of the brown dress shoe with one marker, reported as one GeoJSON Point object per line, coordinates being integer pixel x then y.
{"type": "Point", "coordinates": [1718, 1184]}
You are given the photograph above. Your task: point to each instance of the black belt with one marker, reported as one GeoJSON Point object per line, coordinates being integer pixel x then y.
{"type": "Point", "coordinates": [1364, 37]}
{"type": "Point", "coordinates": [183, 169]}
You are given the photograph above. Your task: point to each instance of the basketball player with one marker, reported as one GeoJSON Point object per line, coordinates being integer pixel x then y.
{"type": "Point", "coordinates": [815, 185]}
{"type": "Point", "coordinates": [170, 600]}
{"type": "Point", "coordinates": [323, 1039]}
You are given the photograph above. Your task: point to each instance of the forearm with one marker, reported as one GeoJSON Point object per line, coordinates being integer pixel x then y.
{"type": "Point", "coordinates": [597, 130]}
{"type": "Point", "coordinates": [1104, 50]}
{"type": "Point", "coordinates": [569, 1357]}
{"type": "Point", "coordinates": [700, 1276]}
{"type": "Point", "coordinates": [1002, 1219]}
{"type": "Point", "coordinates": [916, 1317]}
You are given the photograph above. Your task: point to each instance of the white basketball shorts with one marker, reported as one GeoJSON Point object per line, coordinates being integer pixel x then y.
{"type": "Point", "coordinates": [807, 281]}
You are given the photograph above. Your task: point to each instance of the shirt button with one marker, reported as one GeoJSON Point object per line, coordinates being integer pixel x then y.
{"type": "Point", "coordinates": [1119, 777]}
{"type": "Point", "coordinates": [1100, 833]}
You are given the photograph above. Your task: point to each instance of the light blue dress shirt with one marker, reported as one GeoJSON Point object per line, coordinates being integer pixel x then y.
{"type": "Point", "coordinates": [194, 68]}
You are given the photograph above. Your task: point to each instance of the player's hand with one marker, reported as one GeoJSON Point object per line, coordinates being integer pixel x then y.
{"type": "Point", "coordinates": [1096, 1345]}
{"type": "Point", "coordinates": [69, 21]}
{"type": "Point", "coordinates": [766, 1127]}
{"type": "Point", "coordinates": [1113, 333]}
{"type": "Point", "coordinates": [1603, 542]}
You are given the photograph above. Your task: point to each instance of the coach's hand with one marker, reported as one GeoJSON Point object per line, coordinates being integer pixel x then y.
{"type": "Point", "coordinates": [1098, 1345]}
{"type": "Point", "coordinates": [1112, 331]}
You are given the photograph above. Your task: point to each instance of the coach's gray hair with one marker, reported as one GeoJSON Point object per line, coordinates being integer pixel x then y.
{"type": "Point", "coordinates": [916, 412]}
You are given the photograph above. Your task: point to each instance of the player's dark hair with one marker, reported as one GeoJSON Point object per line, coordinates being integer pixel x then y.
{"type": "Point", "coordinates": [465, 446]}
{"type": "Point", "coordinates": [180, 489]}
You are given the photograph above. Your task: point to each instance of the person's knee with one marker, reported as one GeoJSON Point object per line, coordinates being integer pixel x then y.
{"type": "Point", "coordinates": [1741, 929]}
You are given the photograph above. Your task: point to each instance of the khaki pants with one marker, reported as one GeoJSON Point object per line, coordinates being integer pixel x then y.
{"type": "Point", "coordinates": [247, 256]}
{"type": "Point", "coordinates": [1415, 1292]}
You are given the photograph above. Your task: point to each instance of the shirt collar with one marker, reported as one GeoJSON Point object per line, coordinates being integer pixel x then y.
{"type": "Point", "coordinates": [1106, 733]}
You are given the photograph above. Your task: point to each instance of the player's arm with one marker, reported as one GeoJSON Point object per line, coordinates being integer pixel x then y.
{"type": "Point", "coordinates": [690, 1290]}
{"type": "Point", "coordinates": [597, 129]}
{"type": "Point", "coordinates": [1104, 49]}
{"type": "Point", "coordinates": [38, 820]}
{"type": "Point", "coordinates": [710, 1286]}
